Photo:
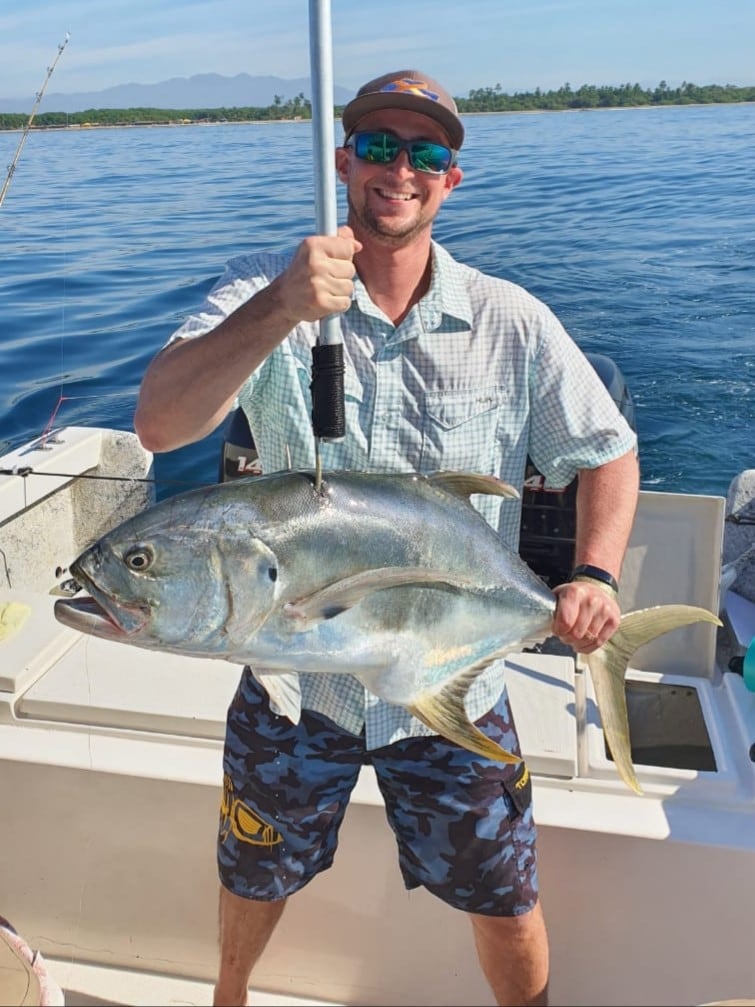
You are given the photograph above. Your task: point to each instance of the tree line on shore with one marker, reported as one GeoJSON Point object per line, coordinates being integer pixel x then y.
{"type": "Point", "coordinates": [488, 99]}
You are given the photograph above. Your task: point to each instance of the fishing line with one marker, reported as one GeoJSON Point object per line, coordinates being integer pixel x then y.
{"type": "Point", "coordinates": [11, 170]}
{"type": "Point", "coordinates": [62, 397]}
{"type": "Point", "coordinates": [27, 470]}
{"type": "Point", "coordinates": [6, 185]}
{"type": "Point", "coordinates": [47, 430]}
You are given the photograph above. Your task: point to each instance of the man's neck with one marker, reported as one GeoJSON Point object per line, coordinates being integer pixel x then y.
{"type": "Point", "coordinates": [395, 278]}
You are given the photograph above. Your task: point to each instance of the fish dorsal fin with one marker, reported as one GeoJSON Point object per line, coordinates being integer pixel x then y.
{"type": "Point", "coordinates": [443, 712]}
{"type": "Point", "coordinates": [464, 484]}
{"type": "Point", "coordinates": [344, 594]}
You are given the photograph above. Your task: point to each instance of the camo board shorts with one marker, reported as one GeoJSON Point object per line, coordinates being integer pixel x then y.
{"type": "Point", "coordinates": [463, 823]}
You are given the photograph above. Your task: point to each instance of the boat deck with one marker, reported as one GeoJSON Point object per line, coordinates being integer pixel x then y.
{"type": "Point", "coordinates": [100, 986]}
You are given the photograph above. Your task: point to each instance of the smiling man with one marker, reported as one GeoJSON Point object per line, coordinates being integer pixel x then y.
{"type": "Point", "coordinates": [445, 368]}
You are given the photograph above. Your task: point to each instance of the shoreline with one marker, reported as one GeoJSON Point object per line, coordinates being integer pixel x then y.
{"type": "Point", "coordinates": [174, 123]}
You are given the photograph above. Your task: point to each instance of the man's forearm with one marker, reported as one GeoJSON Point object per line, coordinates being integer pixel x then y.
{"type": "Point", "coordinates": [606, 506]}
{"type": "Point", "coordinates": [587, 612]}
{"type": "Point", "coordinates": [190, 386]}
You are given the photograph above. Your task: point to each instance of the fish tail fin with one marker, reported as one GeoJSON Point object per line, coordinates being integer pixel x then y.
{"type": "Point", "coordinates": [443, 712]}
{"type": "Point", "coordinates": [608, 667]}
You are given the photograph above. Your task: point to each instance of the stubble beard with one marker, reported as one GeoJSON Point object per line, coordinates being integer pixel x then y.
{"type": "Point", "coordinates": [395, 237]}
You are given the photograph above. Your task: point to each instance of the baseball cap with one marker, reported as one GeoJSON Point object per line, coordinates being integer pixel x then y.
{"type": "Point", "coordinates": [409, 89]}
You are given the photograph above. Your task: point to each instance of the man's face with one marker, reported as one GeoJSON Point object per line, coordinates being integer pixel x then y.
{"type": "Point", "coordinates": [395, 202]}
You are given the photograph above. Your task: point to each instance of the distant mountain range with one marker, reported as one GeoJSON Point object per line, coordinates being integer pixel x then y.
{"type": "Point", "coordinates": [204, 90]}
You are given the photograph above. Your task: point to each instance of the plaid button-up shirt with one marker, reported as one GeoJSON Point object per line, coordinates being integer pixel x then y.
{"type": "Point", "coordinates": [479, 375]}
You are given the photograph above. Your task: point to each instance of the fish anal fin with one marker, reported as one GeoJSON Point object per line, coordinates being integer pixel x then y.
{"type": "Point", "coordinates": [464, 484]}
{"type": "Point", "coordinates": [443, 712]}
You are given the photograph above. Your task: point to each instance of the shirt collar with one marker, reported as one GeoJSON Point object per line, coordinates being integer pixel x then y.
{"type": "Point", "coordinates": [448, 295]}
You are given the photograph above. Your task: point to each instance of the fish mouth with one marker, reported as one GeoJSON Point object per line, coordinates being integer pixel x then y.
{"type": "Point", "coordinates": [98, 613]}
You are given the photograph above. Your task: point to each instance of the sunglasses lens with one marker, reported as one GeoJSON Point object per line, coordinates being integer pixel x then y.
{"type": "Point", "coordinates": [380, 148]}
{"type": "Point", "coordinates": [383, 148]}
{"type": "Point", "coordinates": [431, 157]}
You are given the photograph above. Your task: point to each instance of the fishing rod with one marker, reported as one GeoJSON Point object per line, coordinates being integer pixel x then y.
{"type": "Point", "coordinates": [27, 127]}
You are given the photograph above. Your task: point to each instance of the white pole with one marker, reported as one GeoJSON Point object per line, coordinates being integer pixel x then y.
{"type": "Point", "coordinates": [321, 62]}
{"type": "Point", "coordinates": [327, 377]}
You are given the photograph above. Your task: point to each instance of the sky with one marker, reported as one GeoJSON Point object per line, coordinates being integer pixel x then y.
{"type": "Point", "coordinates": [466, 44]}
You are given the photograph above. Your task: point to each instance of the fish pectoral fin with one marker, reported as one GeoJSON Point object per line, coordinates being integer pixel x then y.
{"type": "Point", "coordinates": [284, 691]}
{"type": "Point", "coordinates": [464, 484]}
{"type": "Point", "coordinates": [608, 666]}
{"type": "Point", "coordinates": [443, 712]}
{"type": "Point", "coordinates": [344, 594]}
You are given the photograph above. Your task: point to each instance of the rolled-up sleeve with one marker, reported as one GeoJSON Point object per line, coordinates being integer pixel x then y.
{"type": "Point", "coordinates": [575, 424]}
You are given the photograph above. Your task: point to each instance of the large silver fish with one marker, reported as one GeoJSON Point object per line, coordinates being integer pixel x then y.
{"type": "Point", "coordinates": [394, 579]}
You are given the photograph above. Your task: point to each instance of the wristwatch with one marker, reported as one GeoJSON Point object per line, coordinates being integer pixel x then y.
{"type": "Point", "coordinates": [585, 571]}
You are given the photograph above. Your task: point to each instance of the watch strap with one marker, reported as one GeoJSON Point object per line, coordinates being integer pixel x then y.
{"type": "Point", "coordinates": [585, 571]}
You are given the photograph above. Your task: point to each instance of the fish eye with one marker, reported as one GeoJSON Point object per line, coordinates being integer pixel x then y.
{"type": "Point", "coordinates": [272, 573]}
{"type": "Point", "coordinates": [139, 558]}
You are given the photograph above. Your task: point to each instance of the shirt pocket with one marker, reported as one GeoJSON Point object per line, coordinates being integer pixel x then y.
{"type": "Point", "coordinates": [461, 429]}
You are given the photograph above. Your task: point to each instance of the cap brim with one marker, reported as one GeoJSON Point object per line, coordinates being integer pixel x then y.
{"type": "Point", "coordinates": [360, 107]}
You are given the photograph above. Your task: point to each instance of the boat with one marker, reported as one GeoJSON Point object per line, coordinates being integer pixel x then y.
{"type": "Point", "coordinates": [110, 784]}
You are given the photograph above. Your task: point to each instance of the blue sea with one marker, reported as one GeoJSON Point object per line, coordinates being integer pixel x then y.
{"type": "Point", "coordinates": [637, 226]}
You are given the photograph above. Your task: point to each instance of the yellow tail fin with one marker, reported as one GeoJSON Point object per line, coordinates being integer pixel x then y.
{"type": "Point", "coordinates": [608, 667]}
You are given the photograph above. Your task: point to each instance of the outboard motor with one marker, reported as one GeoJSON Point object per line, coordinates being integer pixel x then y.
{"type": "Point", "coordinates": [238, 456]}
{"type": "Point", "coordinates": [549, 517]}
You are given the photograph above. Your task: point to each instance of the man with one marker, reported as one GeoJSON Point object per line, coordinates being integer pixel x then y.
{"type": "Point", "coordinates": [446, 368]}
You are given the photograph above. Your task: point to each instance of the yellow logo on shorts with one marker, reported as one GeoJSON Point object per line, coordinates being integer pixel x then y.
{"type": "Point", "coordinates": [245, 824]}
{"type": "Point", "coordinates": [522, 781]}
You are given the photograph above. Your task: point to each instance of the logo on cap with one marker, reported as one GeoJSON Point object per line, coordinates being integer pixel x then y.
{"type": "Point", "coordinates": [409, 85]}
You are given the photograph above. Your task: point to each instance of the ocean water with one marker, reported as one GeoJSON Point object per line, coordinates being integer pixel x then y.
{"type": "Point", "coordinates": [636, 226]}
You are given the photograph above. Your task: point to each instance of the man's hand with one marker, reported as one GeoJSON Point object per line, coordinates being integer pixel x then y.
{"type": "Point", "coordinates": [319, 280]}
{"type": "Point", "coordinates": [588, 612]}
{"type": "Point", "coordinates": [586, 616]}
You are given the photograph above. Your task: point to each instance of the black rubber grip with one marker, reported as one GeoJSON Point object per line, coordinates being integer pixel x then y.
{"type": "Point", "coordinates": [328, 418]}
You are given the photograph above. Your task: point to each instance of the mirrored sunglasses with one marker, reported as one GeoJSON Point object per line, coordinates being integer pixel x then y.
{"type": "Point", "coordinates": [384, 148]}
